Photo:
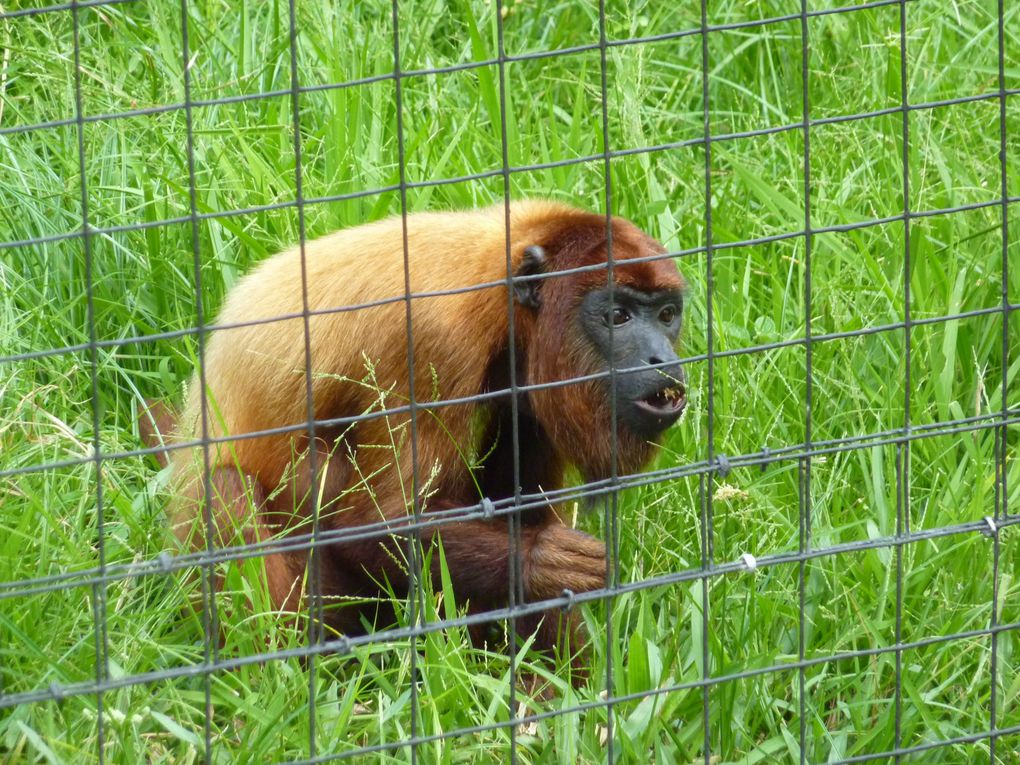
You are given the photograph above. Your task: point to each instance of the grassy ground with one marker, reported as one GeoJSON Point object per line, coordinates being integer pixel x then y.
{"type": "Point", "coordinates": [136, 172]}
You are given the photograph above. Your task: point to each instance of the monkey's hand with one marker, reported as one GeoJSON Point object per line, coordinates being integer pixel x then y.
{"type": "Point", "coordinates": [561, 558]}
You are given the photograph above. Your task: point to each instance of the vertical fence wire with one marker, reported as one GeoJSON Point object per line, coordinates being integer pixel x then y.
{"type": "Point", "coordinates": [610, 501]}
{"type": "Point", "coordinates": [1007, 307]}
{"type": "Point", "coordinates": [415, 594]}
{"type": "Point", "coordinates": [210, 613]}
{"type": "Point", "coordinates": [314, 554]}
{"type": "Point", "coordinates": [515, 583]}
{"type": "Point", "coordinates": [707, 480]}
{"type": "Point", "coordinates": [993, 619]}
{"type": "Point", "coordinates": [902, 510]}
{"type": "Point", "coordinates": [1000, 511]}
{"type": "Point", "coordinates": [903, 448]}
{"type": "Point", "coordinates": [805, 508]}
{"type": "Point", "coordinates": [99, 587]}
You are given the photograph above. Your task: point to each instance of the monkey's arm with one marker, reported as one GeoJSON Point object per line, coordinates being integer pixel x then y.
{"type": "Point", "coordinates": [477, 554]}
{"type": "Point", "coordinates": [553, 558]}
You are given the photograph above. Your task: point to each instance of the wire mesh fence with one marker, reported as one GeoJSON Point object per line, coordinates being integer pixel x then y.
{"type": "Point", "coordinates": [820, 562]}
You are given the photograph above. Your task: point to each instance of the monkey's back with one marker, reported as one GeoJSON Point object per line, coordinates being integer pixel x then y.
{"type": "Point", "coordinates": [354, 279]}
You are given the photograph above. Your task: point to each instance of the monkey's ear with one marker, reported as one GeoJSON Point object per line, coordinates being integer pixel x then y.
{"type": "Point", "coordinates": [526, 291]}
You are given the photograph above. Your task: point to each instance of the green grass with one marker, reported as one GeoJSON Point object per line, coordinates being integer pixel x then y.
{"type": "Point", "coordinates": [136, 171]}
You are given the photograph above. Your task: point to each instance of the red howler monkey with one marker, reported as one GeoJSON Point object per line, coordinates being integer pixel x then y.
{"type": "Point", "coordinates": [255, 378]}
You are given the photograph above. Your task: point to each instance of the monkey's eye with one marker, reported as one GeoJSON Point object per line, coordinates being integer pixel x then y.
{"type": "Point", "coordinates": [667, 314]}
{"type": "Point", "coordinates": [617, 316]}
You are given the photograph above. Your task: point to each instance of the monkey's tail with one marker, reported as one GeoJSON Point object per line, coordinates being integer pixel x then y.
{"type": "Point", "coordinates": [156, 421]}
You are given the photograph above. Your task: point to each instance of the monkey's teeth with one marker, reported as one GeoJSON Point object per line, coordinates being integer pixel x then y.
{"type": "Point", "coordinates": [665, 400]}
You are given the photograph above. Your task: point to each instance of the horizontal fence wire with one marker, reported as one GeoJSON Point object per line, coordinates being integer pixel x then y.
{"type": "Point", "coordinates": [166, 562]}
{"type": "Point", "coordinates": [703, 472]}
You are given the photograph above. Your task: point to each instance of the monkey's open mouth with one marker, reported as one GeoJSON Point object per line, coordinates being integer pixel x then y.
{"type": "Point", "coordinates": [665, 401]}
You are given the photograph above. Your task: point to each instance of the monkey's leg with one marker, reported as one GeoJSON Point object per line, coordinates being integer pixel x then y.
{"type": "Point", "coordinates": [238, 514]}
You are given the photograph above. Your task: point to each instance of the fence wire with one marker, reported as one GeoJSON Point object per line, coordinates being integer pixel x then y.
{"type": "Point", "coordinates": [705, 470]}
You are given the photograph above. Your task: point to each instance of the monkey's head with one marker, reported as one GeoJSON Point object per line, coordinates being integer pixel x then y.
{"type": "Point", "coordinates": [578, 324]}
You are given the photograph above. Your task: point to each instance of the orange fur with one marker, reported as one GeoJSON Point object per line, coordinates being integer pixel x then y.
{"type": "Point", "coordinates": [256, 380]}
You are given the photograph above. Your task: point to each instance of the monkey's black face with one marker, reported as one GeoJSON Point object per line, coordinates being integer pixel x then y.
{"type": "Point", "coordinates": [636, 333]}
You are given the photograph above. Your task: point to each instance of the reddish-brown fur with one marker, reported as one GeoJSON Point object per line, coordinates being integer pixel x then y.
{"type": "Point", "coordinates": [256, 380]}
